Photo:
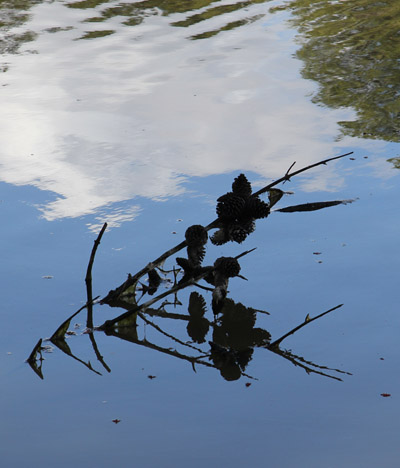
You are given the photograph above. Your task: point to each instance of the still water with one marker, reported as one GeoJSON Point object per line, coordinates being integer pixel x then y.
{"type": "Point", "coordinates": [141, 114]}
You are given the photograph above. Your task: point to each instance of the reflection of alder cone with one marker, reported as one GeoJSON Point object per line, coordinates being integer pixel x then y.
{"type": "Point", "coordinates": [196, 235]}
{"type": "Point", "coordinates": [196, 255]}
{"type": "Point", "coordinates": [227, 266]}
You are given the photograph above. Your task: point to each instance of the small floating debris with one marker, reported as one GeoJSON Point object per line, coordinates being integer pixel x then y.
{"type": "Point", "coordinates": [47, 348]}
{"type": "Point", "coordinates": [386, 395]}
{"type": "Point", "coordinates": [151, 377]}
{"type": "Point", "coordinates": [47, 277]}
{"type": "Point", "coordinates": [116, 421]}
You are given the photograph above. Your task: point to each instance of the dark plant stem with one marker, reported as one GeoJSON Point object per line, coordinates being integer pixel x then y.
{"type": "Point", "coordinates": [277, 342]}
{"type": "Point", "coordinates": [88, 279]}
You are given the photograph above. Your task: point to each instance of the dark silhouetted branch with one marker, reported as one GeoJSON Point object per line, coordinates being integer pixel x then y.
{"type": "Point", "coordinates": [88, 278]}
{"type": "Point", "coordinates": [306, 322]}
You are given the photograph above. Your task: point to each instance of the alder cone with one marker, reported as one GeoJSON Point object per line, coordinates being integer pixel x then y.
{"type": "Point", "coordinates": [230, 206]}
{"type": "Point", "coordinates": [256, 208]}
{"type": "Point", "coordinates": [237, 233]}
{"type": "Point", "coordinates": [220, 237]}
{"type": "Point", "coordinates": [241, 186]}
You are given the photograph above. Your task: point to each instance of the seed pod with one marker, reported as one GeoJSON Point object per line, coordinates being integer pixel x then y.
{"type": "Point", "coordinates": [196, 235]}
{"type": "Point", "coordinates": [241, 186]}
{"type": "Point", "coordinates": [229, 206]}
{"type": "Point", "coordinates": [237, 233]}
{"type": "Point", "coordinates": [196, 254]}
{"type": "Point", "coordinates": [227, 266]}
{"type": "Point", "coordinates": [256, 208]}
{"type": "Point", "coordinates": [220, 237]}
{"type": "Point", "coordinates": [248, 225]}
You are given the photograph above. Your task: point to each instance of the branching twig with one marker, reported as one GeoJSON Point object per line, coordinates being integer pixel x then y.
{"type": "Point", "coordinates": [277, 342]}
{"type": "Point", "coordinates": [303, 169]}
{"type": "Point", "coordinates": [159, 329]}
{"type": "Point", "coordinates": [109, 323]}
{"type": "Point", "coordinates": [132, 279]}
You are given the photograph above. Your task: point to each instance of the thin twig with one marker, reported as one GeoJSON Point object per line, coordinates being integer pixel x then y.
{"type": "Point", "coordinates": [277, 342]}
{"type": "Point", "coordinates": [295, 360]}
{"type": "Point", "coordinates": [159, 329]}
{"type": "Point", "coordinates": [303, 169]}
{"type": "Point", "coordinates": [97, 352]}
{"type": "Point", "coordinates": [88, 279]}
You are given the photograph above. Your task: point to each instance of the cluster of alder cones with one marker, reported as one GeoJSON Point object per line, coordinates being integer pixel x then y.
{"type": "Point", "coordinates": [237, 212]}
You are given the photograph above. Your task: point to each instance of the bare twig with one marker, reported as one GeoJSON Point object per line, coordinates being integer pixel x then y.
{"type": "Point", "coordinates": [88, 278]}
{"type": "Point", "coordinates": [303, 169]}
{"type": "Point", "coordinates": [159, 329]}
{"type": "Point", "coordinates": [97, 352]}
{"type": "Point", "coordinates": [308, 320]}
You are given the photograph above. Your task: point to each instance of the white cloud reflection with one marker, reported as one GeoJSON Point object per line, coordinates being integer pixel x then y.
{"type": "Point", "coordinates": [134, 114]}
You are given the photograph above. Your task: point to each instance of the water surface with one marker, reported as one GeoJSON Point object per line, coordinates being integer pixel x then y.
{"type": "Point", "coordinates": [141, 114]}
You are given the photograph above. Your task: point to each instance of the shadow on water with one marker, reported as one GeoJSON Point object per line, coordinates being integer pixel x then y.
{"type": "Point", "coordinates": [228, 341]}
{"type": "Point", "coordinates": [351, 49]}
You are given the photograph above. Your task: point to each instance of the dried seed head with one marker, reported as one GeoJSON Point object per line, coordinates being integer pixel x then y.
{"type": "Point", "coordinates": [237, 233]}
{"type": "Point", "coordinates": [229, 206]}
{"type": "Point", "coordinates": [241, 186]}
{"type": "Point", "coordinates": [256, 208]}
{"type": "Point", "coordinates": [196, 254]}
{"type": "Point", "coordinates": [227, 266]}
{"type": "Point", "coordinates": [196, 235]}
{"type": "Point", "coordinates": [220, 237]}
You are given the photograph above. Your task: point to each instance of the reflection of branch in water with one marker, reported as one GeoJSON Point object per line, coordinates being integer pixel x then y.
{"type": "Point", "coordinates": [203, 273]}
{"type": "Point", "coordinates": [128, 335]}
{"type": "Point", "coordinates": [97, 352]}
{"type": "Point", "coordinates": [160, 330]}
{"type": "Point", "coordinates": [33, 359]}
{"type": "Point", "coordinates": [306, 322]}
{"type": "Point", "coordinates": [63, 346]}
{"type": "Point", "coordinates": [298, 361]}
